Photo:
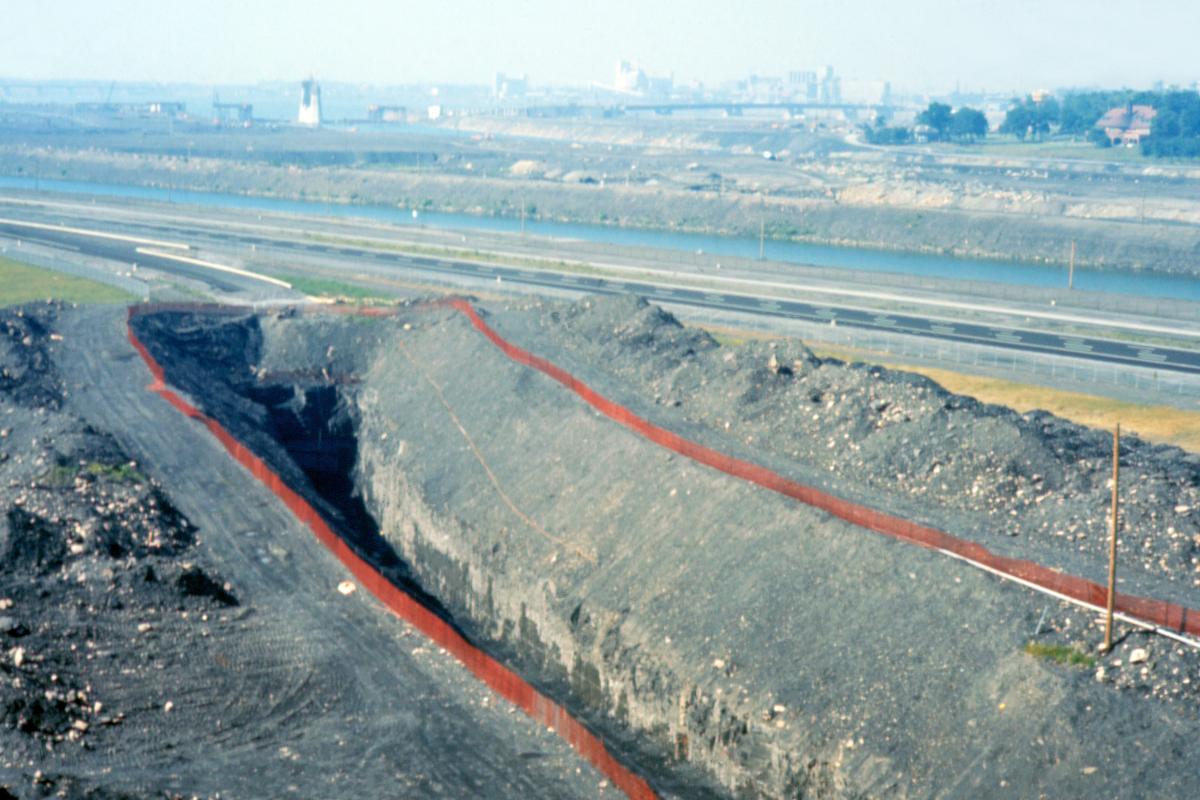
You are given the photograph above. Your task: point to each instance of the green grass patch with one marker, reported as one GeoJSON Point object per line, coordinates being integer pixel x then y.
{"type": "Point", "coordinates": [62, 475]}
{"type": "Point", "coordinates": [1002, 146]}
{"type": "Point", "coordinates": [120, 473]}
{"type": "Point", "coordinates": [326, 287]}
{"type": "Point", "coordinates": [21, 283]}
{"type": "Point", "coordinates": [727, 339]}
{"type": "Point", "coordinates": [1066, 655]}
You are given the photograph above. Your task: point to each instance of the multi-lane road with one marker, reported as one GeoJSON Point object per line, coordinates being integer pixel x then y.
{"type": "Point", "coordinates": [158, 246]}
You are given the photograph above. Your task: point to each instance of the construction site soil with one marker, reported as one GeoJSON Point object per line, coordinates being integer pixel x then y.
{"type": "Point", "coordinates": [167, 629]}
{"type": "Point", "coordinates": [723, 637]}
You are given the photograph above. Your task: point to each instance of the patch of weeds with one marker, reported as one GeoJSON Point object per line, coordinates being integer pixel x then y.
{"type": "Point", "coordinates": [728, 340]}
{"type": "Point", "coordinates": [324, 287]}
{"type": "Point", "coordinates": [60, 475]}
{"type": "Point", "coordinates": [1067, 655]}
{"type": "Point", "coordinates": [120, 473]}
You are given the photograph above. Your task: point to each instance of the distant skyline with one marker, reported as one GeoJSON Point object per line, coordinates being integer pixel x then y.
{"type": "Point", "coordinates": [918, 45]}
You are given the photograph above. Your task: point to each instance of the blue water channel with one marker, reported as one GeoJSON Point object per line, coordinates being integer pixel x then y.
{"type": "Point", "coordinates": [1013, 272]}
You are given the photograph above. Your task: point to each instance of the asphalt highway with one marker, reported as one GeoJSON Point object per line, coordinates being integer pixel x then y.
{"type": "Point", "coordinates": [1096, 349]}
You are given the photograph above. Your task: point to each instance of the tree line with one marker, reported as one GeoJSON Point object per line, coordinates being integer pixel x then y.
{"type": "Point", "coordinates": [1174, 130]}
{"type": "Point", "coordinates": [943, 124]}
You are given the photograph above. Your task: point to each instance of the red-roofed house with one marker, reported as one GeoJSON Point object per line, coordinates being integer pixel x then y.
{"type": "Point", "coordinates": [1127, 124]}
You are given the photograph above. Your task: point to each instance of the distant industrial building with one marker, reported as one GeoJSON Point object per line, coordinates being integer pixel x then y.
{"type": "Point", "coordinates": [868, 93]}
{"type": "Point", "coordinates": [508, 87]}
{"type": "Point", "coordinates": [831, 87]}
{"type": "Point", "coordinates": [632, 79]}
{"type": "Point", "coordinates": [378, 113]}
{"type": "Point", "coordinates": [310, 103]}
{"type": "Point", "coordinates": [811, 86]}
{"type": "Point", "coordinates": [152, 108]}
{"type": "Point", "coordinates": [803, 85]}
{"type": "Point", "coordinates": [166, 108]}
{"type": "Point", "coordinates": [232, 113]}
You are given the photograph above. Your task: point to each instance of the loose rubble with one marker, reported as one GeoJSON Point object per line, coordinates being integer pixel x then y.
{"type": "Point", "coordinates": [92, 560]}
{"type": "Point", "coordinates": [886, 434]}
{"type": "Point", "coordinates": [839, 688]}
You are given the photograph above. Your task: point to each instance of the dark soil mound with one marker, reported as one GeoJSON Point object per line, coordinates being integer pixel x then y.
{"type": "Point", "coordinates": [875, 434]}
{"type": "Point", "coordinates": [26, 373]}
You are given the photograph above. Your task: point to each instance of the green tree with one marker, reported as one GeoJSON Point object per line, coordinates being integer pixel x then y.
{"type": "Point", "coordinates": [882, 134]}
{"type": "Point", "coordinates": [1018, 121]}
{"type": "Point", "coordinates": [1175, 129]}
{"type": "Point", "coordinates": [937, 117]}
{"type": "Point", "coordinates": [1082, 110]}
{"type": "Point", "coordinates": [968, 124]}
{"type": "Point", "coordinates": [1031, 118]}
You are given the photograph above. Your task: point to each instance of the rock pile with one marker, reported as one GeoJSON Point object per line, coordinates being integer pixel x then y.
{"type": "Point", "coordinates": [91, 556]}
{"type": "Point", "coordinates": [899, 435]}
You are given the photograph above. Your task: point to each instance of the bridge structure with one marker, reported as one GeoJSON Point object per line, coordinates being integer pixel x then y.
{"type": "Point", "coordinates": [731, 108]}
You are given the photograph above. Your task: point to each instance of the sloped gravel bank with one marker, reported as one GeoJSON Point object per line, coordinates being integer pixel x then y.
{"type": "Point", "coordinates": [722, 630]}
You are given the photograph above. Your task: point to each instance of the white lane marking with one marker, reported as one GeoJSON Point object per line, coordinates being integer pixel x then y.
{"type": "Point", "coordinates": [117, 237]}
{"type": "Point", "coordinates": [210, 265]}
{"type": "Point", "coordinates": [274, 230]}
{"type": "Point", "coordinates": [1151, 355]}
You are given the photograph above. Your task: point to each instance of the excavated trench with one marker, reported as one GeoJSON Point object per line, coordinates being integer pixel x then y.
{"type": "Point", "coordinates": [725, 640]}
{"type": "Point", "coordinates": [301, 418]}
{"type": "Point", "coordinates": [316, 427]}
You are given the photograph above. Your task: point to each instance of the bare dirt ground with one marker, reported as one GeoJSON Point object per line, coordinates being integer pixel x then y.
{"type": "Point", "coordinates": [167, 629]}
{"type": "Point", "coordinates": [720, 632]}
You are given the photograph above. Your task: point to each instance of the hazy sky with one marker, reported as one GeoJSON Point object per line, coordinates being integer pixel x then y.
{"type": "Point", "coordinates": [917, 44]}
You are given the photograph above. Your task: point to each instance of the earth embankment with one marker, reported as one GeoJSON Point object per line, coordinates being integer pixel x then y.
{"type": "Point", "coordinates": [722, 628]}
{"type": "Point", "coordinates": [168, 629]}
{"type": "Point", "coordinates": [1024, 225]}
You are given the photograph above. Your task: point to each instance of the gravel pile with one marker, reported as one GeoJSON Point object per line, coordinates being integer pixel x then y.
{"type": "Point", "coordinates": [872, 432]}
{"type": "Point", "coordinates": [94, 567]}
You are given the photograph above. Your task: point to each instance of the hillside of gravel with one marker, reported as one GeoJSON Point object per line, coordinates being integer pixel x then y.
{"type": "Point", "coordinates": [1031, 485]}
{"type": "Point", "coordinates": [715, 631]}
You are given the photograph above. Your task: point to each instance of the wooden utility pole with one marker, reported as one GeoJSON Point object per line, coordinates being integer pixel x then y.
{"type": "Point", "coordinates": [1071, 268]}
{"type": "Point", "coordinates": [1112, 545]}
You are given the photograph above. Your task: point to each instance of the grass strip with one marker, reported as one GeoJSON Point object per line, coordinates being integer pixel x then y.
{"type": "Point", "coordinates": [22, 283]}
{"type": "Point", "coordinates": [1066, 655]}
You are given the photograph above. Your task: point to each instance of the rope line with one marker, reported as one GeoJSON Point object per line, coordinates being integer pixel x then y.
{"type": "Point", "coordinates": [508, 501]}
